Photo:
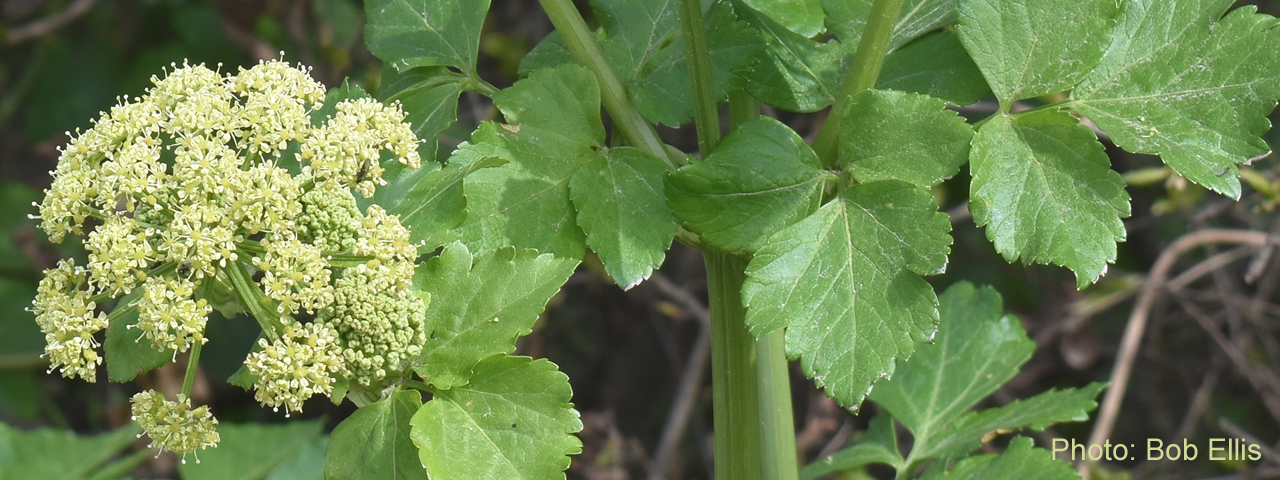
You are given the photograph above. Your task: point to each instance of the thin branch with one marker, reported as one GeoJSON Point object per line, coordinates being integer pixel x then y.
{"type": "Point", "coordinates": [47, 25]}
{"type": "Point", "coordinates": [690, 380]}
{"type": "Point", "coordinates": [1133, 332]}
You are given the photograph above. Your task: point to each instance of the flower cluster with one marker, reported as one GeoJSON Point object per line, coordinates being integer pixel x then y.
{"type": "Point", "coordinates": [213, 182]}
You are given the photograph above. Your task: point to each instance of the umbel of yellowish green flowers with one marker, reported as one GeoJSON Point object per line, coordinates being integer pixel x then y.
{"type": "Point", "coordinates": [221, 183]}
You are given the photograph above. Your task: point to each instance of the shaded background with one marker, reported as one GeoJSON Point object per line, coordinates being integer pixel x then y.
{"type": "Point", "coordinates": [1215, 376]}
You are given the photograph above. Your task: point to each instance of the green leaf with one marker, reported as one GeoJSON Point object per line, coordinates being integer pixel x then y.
{"type": "Point", "coordinates": [976, 350]}
{"type": "Point", "coordinates": [879, 444]}
{"type": "Point", "coordinates": [553, 130]}
{"type": "Point", "coordinates": [513, 421]}
{"type": "Point", "coordinates": [417, 33]}
{"type": "Point", "coordinates": [1044, 189]}
{"type": "Point", "coordinates": [794, 73]}
{"type": "Point", "coordinates": [480, 306]}
{"type": "Point", "coordinates": [1039, 412]}
{"type": "Point", "coordinates": [252, 451]}
{"type": "Point", "coordinates": [127, 352]}
{"type": "Point", "coordinates": [890, 135]}
{"type": "Point", "coordinates": [49, 454]}
{"type": "Point", "coordinates": [623, 210]}
{"type": "Point", "coordinates": [549, 52]}
{"type": "Point", "coordinates": [845, 284]}
{"type": "Point", "coordinates": [635, 30]}
{"type": "Point", "coordinates": [1029, 48]}
{"type": "Point", "coordinates": [429, 97]}
{"type": "Point", "coordinates": [935, 65]}
{"type": "Point", "coordinates": [374, 441]}
{"type": "Point", "coordinates": [847, 18]}
{"type": "Point", "coordinates": [1185, 82]}
{"type": "Point", "coordinates": [1021, 460]}
{"type": "Point", "coordinates": [660, 89]}
{"type": "Point", "coordinates": [761, 178]}
{"type": "Point", "coordinates": [804, 17]}
{"type": "Point", "coordinates": [436, 205]}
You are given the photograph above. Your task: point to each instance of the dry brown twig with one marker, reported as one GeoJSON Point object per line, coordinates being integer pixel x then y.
{"type": "Point", "coordinates": [47, 25]}
{"type": "Point", "coordinates": [1137, 324]}
{"type": "Point", "coordinates": [690, 380]}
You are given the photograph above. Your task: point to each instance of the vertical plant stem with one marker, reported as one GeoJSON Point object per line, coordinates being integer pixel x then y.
{"type": "Point", "coordinates": [582, 44]}
{"type": "Point", "coordinates": [777, 421]}
{"type": "Point", "coordinates": [735, 394]}
{"type": "Point", "coordinates": [862, 75]}
{"type": "Point", "coordinates": [193, 363]}
{"type": "Point", "coordinates": [705, 115]}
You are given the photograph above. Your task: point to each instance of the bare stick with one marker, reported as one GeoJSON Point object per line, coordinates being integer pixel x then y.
{"type": "Point", "coordinates": [48, 24]}
{"type": "Point", "coordinates": [690, 380]}
{"type": "Point", "coordinates": [1138, 321]}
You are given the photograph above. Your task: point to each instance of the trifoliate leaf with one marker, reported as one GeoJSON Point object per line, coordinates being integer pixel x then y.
{"type": "Point", "coordinates": [976, 350]}
{"type": "Point", "coordinates": [879, 444]}
{"type": "Point", "coordinates": [847, 18]}
{"type": "Point", "coordinates": [935, 65]}
{"type": "Point", "coordinates": [1029, 48]}
{"type": "Point", "coordinates": [661, 89]}
{"type": "Point", "coordinates": [623, 210]}
{"type": "Point", "coordinates": [61, 454]}
{"type": "Point", "coordinates": [1039, 412]}
{"type": "Point", "coordinates": [429, 97]}
{"type": "Point", "coordinates": [1185, 82]}
{"type": "Point", "coordinates": [845, 284]}
{"type": "Point", "coordinates": [127, 352]}
{"type": "Point", "coordinates": [1021, 460]}
{"type": "Point", "coordinates": [436, 205]}
{"type": "Point", "coordinates": [1044, 189]}
{"type": "Point", "coordinates": [891, 135]}
{"type": "Point", "coordinates": [251, 450]}
{"type": "Point", "coordinates": [761, 178]}
{"type": "Point", "coordinates": [513, 421]}
{"type": "Point", "coordinates": [418, 33]}
{"type": "Point", "coordinates": [479, 306]}
{"type": "Point", "coordinates": [794, 73]}
{"type": "Point", "coordinates": [804, 17]}
{"type": "Point", "coordinates": [553, 130]}
{"type": "Point", "coordinates": [374, 441]}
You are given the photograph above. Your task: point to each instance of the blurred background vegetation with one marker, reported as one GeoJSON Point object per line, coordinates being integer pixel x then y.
{"type": "Point", "coordinates": [64, 61]}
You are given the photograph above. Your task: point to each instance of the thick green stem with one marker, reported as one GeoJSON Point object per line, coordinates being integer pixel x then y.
{"type": "Point", "coordinates": [862, 75]}
{"type": "Point", "coordinates": [237, 275]}
{"type": "Point", "coordinates": [705, 115]}
{"type": "Point", "coordinates": [582, 44]}
{"type": "Point", "coordinates": [734, 392]}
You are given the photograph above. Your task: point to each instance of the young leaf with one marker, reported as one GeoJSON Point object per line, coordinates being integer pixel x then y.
{"type": "Point", "coordinates": [429, 96]}
{"type": "Point", "coordinates": [127, 352]}
{"type": "Point", "coordinates": [804, 17]}
{"type": "Point", "coordinates": [1039, 412]}
{"type": "Point", "coordinates": [1020, 460]}
{"type": "Point", "coordinates": [847, 18]}
{"type": "Point", "coordinates": [374, 441]}
{"type": "Point", "coordinates": [418, 33]}
{"type": "Point", "coordinates": [879, 444]}
{"type": "Point", "coordinates": [252, 451]}
{"type": "Point", "coordinates": [845, 283]}
{"type": "Point", "coordinates": [553, 129]}
{"type": "Point", "coordinates": [761, 178]}
{"type": "Point", "coordinates": [1044, 189]}
{"type": "Point", "coordinates": [513, 421]}
{"type": "Point", "coordinates": [1029, 48]}
{"type": "Point", "coordinates": [479, 306]}
{"type": "Point", "coordinates": [622, 209]}
{"type": "Point", "coordinates": [1182, 81]}
{"type": "Point", "coordinates": [976, 350]}
{"type": "Point", "coordinates": [935, 65]}
{"type": "Point", "coordinates": [890, 135]}
{"type": "Point", "coordinates": [794, 73]}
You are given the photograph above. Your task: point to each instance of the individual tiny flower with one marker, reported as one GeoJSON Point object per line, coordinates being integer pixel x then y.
{"type": "Point", "coordinates": [346, 151]}
{"type": "Point", "coordinates": [383, 237]}
{"type": "Point", "coordinates": [379, 325]}
{"type": "Point", "coordinates": [294, 274]}
{"type": "Point", "coordinates": [118, 250]}
{"type": "Point", "coordinates": [174, 425]}
{"type": "Point", "coordinates": [66, 315]}
{"type": "Point", "coordinates": [301, 363]}
{"type": "Point", "coordinates": [169, 316]}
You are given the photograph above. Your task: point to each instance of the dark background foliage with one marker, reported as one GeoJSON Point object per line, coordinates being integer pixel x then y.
{"type": "Point", "coordinates": [63, 61]}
